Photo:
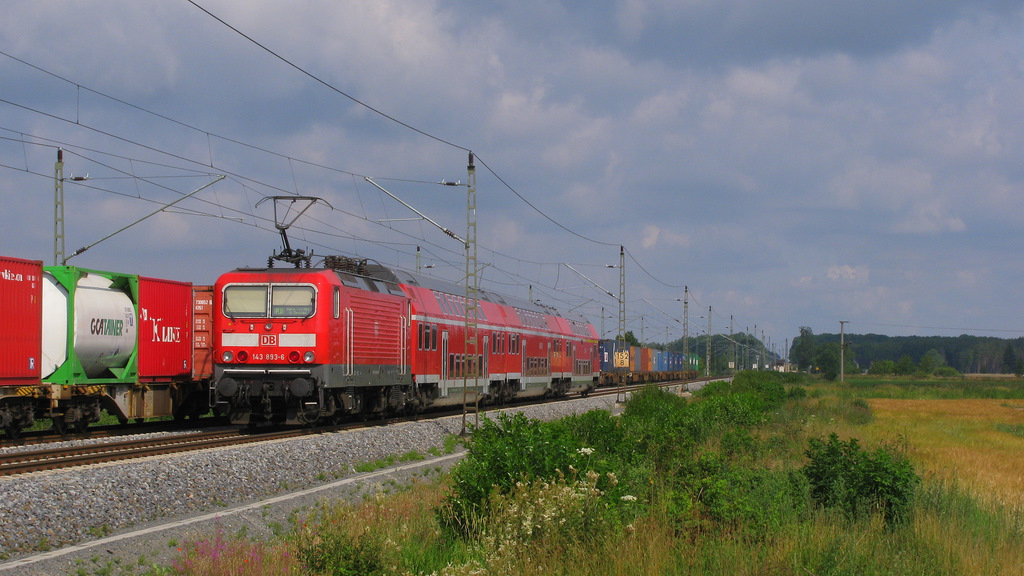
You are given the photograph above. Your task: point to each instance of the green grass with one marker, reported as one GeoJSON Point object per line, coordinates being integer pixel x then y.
{"type": "Point", "coordinates": [928, 388]}
{"type": "Point", "coordinates": [718, 485]}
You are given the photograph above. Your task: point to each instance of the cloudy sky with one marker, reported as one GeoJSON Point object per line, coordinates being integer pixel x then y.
{"type": "Point", "coordinates": [793, 163]}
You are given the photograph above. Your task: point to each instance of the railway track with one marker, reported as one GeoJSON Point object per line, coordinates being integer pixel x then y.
{"type": "Point", "coordinates": [65, 457]}
{"type": "Point", "coordinates": [97, 453]}
{"type": "Point", "coordinates": [48, 436]}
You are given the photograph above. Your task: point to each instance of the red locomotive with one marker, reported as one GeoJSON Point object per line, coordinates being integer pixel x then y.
{"type": "Point", "coordinates": [302, 345]}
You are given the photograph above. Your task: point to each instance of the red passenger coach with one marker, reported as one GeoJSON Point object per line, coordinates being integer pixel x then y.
{"type": "Point", "coordinates": [300, 345]}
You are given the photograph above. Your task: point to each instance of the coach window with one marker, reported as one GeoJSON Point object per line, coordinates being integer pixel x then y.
{"type": "Point", "coordinates": [245, 301]}
{"type": "Point", "coordinates": [292, 301]}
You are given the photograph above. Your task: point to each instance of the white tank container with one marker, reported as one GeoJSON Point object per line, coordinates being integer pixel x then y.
{"type": "Point", "coordinates": [55, 325]}
{"type": "Point", "coordinates": [105, 331]}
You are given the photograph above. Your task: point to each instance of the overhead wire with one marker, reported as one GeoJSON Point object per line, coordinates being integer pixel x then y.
{"type": "Point", "coordinates": [77, 121]}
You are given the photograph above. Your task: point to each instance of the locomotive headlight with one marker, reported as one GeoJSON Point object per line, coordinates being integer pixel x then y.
{"type": "Point", "coordinates": [227, 356]}
{"type": "Point", "coordinates": [308, 357]}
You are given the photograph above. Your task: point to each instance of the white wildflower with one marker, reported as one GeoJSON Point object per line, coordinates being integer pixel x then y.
{"type": "Point", "coordinates": [628, 498]}
{"type": "Point", "coordinates": [586, 451]}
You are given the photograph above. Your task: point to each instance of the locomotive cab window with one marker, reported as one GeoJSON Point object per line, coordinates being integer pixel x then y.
{"type": "Point", "coordinates": [283, 301]}
{"type": "Point", "coordinates": [245, 301]}
{"type": "Point", "coordinates": [292, 301]}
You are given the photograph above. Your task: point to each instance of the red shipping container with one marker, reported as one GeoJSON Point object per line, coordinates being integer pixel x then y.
{"type": "Point", "coordinates": [165, 329]}
{"type": "Point", "coordinates": [21, 323]}
{"type": "Point", "coordinates": [202, 333]}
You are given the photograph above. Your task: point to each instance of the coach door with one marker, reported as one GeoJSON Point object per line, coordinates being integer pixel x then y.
{"type": "Point", "coordinates": [486, 355]}
{"type": "Point", "coordinates": [523, 374]}
{"type": "Point", "coordinates": [444, 359]}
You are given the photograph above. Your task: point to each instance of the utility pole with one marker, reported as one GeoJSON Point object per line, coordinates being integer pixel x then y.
{"type": "Point", "coordinates": [746, 348]}
{"type": "Point", "coordinates": [472, 303]}
{"type": "Point", "coordinates": [686, 323]}
{"type": "Point", "coordinates": [707, 368]}
{"type": "Point", "coordinates": [58, 209]}
{"type": "Point", "coordinates": [620, 395]}
{"type": "Point", "coordinates": [622, 292]}
{"type": "Point", "coordinates": [842, 350]}
{"type": "Point", "coordinates": [733, 343]}
{"type": "Point", "coordinates": [757, 356]}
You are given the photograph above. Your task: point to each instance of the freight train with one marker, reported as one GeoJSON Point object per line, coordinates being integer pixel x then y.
{"type": "Point", "coordinates": [75, 342]}
{"type": "Point", "coordinates": [286, 346]}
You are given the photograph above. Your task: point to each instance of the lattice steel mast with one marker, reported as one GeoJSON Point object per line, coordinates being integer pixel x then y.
{"type": "Point", "coordinates": [475, 363]}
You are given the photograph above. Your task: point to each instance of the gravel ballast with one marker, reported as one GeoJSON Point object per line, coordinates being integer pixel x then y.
{"type": "Point", "coordinates": [96, 507]}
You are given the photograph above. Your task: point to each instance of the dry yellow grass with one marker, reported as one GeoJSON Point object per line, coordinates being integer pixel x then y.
{"type": "Point", "coordinates": [959, 440]}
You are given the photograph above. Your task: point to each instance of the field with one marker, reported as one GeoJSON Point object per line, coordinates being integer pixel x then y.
{"type": "Point", "coordinates": [921, 477]}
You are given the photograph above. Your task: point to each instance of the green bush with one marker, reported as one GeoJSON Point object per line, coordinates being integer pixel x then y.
{"type": "Point", "coordinates": [796, 393]}
{"type": "Point", "coordinates": [502, 452]}
{"type": "Point", "coordinates": [659, 429]}
{"type": "Point", "coordinates": [856, 411]}
{"type": "Point", "coordinates": [844, 476]}
{"type": "Point", "coordinates": [715, 494]}
{"type": "Point", "coordinates": [332, 552]}
{"type": "Point", "coordinates": [515, 449]}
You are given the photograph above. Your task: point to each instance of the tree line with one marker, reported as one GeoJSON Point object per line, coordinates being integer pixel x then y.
{"type": "Point", "coordinates": [904, 355]}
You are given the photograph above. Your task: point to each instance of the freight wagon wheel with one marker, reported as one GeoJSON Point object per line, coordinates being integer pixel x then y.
{"type": "Point", "coordinates": [13, 432]}
{"type": "Point", "coordinates": [60, 427]}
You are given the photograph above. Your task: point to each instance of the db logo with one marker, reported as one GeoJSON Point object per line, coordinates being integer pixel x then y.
{"type": "Point", "coordinates": [268, 339]}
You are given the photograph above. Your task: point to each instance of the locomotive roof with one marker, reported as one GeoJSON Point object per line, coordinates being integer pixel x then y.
{"type": "Point", "coordinates": [380, 272]}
